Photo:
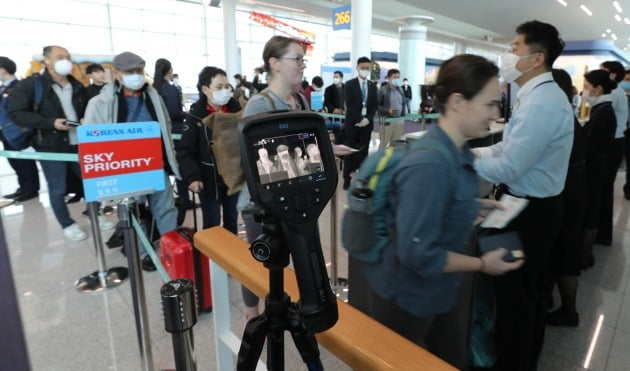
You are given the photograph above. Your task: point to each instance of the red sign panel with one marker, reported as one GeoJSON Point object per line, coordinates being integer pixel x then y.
{"type": "Point", "coordinates": [101, 159]}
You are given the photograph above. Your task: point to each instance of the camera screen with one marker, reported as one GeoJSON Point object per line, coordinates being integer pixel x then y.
{"type": "Point", "coordinates": [288, 157]}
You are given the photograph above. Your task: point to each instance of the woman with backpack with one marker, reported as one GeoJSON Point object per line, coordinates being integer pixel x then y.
{"type": "Point", "coordinates": [418, 288]}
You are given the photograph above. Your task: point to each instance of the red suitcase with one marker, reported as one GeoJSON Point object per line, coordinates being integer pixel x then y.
{"type": "Point", "coordinates": [181, 260]}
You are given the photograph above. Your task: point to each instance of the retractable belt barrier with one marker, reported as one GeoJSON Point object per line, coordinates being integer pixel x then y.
{"type": "Point", "coordinates": [105, 278]}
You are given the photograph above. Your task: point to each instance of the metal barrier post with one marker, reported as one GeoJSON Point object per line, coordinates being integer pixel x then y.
{"type": "Point", "coordinates": [339, 285]}
{"type": "Point", "coordinates": [137, 283]}
{"type": "Point", "coordinates": [103, 278]}
{"type": "Point", "coordinates": [180, 315]}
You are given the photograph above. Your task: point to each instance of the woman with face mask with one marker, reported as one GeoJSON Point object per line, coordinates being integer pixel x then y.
{"type": "Point", "coordinates": [417, 288]}
{"type": "Point", "coordinates": [195, 158]}
{"type": "Point", "coordinates": [600, 133]}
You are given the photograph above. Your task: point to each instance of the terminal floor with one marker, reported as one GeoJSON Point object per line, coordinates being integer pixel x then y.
{"type": "Point", "coordinates": [66, 330]}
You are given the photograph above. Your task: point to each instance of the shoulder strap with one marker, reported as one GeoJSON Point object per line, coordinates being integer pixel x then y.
{"type": "Point", "coordinates": [39, 93]}
{"type": "Point", "coordinates": [302, 99]}
{"type": "Point", "coordinates": [268, 98]}
{"type": "Point", "coordinates": [380, 166]}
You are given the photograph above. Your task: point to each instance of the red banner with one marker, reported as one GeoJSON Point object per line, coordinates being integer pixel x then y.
{"type": "Point", "coordinates": [101, 159]}
{"type": "Point", "coordinates": [307, 38]}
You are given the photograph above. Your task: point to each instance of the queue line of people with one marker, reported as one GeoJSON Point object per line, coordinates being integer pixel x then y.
{"type": "Point", "coordinates": [432, 224]}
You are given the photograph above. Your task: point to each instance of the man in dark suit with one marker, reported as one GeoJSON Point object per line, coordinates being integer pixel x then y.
{"type": "Point", "coordinates": [361, 104]}
{"type": "Point", "coordinates": [333, 95]}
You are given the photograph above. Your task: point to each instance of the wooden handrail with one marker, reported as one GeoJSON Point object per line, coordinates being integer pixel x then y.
{"type": "Point", "coordinates": [359, 341]}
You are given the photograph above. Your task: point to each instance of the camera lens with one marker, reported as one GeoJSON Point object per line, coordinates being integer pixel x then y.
{"type": "Point", "coordinates": [261, 250]}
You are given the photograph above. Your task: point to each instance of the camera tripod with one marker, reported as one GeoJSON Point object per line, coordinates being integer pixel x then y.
{"type": "Point", "coordinates": [280, 313]}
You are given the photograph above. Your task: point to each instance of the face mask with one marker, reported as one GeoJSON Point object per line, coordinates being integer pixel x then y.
{"type": "Point", "coordinates": [63, 67]}
{"type": "Point", "coordinates": [336, 81]}
{"type": "Point", "coordinates": [396, 83]}
{"type": "Point", "coordinates": [587, 97]}
{"type": "Point", "coordinates": [364, 73]}
{"type": "Point", "coordinates": [221, 97]}
{"type": "Point", "coordinates": [625, 85]}
{"type": "Point", "coordinates": [405, 83]}
{"type": "Point", "coordinates": [508, 67]}
{"type": "Point", "coordinates": [175, 81]}
{"type": "Point", "coordinates": [134, 81]}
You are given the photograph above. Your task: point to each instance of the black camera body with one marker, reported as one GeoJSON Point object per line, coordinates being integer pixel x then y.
{"type": "Point", "coordinates": [291, 175]}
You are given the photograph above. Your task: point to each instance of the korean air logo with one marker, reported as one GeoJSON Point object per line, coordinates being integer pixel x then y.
{"type": "Point", "coordinates": [95, 133]}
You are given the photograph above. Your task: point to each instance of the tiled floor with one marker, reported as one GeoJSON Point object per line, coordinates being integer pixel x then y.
{"type": "Point", "coordinates": [66, 330]}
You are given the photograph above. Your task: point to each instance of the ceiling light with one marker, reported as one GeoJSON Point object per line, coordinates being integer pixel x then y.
{"type": "Point", "coordinates": [603, 35]}
{"type": "Point", "coordinates": [627, 20]}
{"type": "Point", "coordinates": [618, 17]}
{"type": "Point", "coordinates": [586, 10]}
{"type": "Point", "coordinates": [617, 6]}
{"type": "Point", "coordinates": [614, 37]}
{"type": "Point", "coordinates": [608, 30]}
{"type": "Point", "coordinates": [564, 3]}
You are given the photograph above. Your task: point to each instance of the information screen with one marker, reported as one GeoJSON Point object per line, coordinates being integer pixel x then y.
{"type": "Point", "coordinates": [289, 157]}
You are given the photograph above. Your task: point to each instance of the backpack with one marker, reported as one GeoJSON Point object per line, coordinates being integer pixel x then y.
{"type": "Point", "coordinates": [17, 136]}
{"type": "Point", "coordinates": [365, 227]}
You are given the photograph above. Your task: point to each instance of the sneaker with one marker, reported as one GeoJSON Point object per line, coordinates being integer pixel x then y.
{"type": "Point", "coordinates": [74, 233]}
{"type": "Point", "coordinates": [105, 224]}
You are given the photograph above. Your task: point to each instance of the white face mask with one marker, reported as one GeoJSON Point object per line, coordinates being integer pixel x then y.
{"type": "Point", "coordinates": [336, 80]}
{"type": "Point", "coordinates": [63, 67]}
{"type": "Point", "coordinates": [221, 97]}
{"type": "Point", "coordinates": [588, 98]}
{"type": "Point", "coordinates": [134, 82]}
{"type": "Point", "coordinates": [396, 82]}
{"type": "Point", "coordinates": [364, 73]}
{"type": "Point", "coordinates": [508, 67]}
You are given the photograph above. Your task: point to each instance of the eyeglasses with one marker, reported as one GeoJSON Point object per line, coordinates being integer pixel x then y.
{"type": "Point", "coordinates": [299, 60]}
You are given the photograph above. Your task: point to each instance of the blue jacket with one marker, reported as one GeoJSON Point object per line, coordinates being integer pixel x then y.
{"type": "Point", "coordinates": [433, 208]}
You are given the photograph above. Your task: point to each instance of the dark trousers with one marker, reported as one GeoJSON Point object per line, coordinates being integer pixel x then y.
{"type": "Point", "coordinates": [212, 208]}
{"type": "Point", "coordinates": [358, 138]}
{"type": "Point", "coordinates": [55, 173]}
{"type": "Point", "coordinates": [521, 304]}
{"type": "Point", "coordinates": [445, 335]}
{"type": "Point", "coordinates": [26, 170]}
{"type": "Point", "coordinates": [605, 228]}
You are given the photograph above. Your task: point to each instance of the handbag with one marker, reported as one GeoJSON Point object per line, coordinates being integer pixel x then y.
{"type": "Point", "coordinates": [226, 149]}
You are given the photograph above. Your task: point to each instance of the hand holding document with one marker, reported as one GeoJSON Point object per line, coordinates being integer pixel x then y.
{"type": "Point", "coordinates": [500, 217]}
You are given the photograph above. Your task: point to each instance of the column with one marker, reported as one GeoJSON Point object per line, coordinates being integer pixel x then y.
{"type": "Point", "coordinates": [361, 26]}
{"type": "Point", "coordinates": [411, 56]}
{"type": "Point", "coordinates": [232, 65]}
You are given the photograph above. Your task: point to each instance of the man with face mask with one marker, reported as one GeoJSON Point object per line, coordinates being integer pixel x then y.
{"type": "Point", "coordinates": [26, 170]}
{"type": "Point", "coordinates": [333, 95]}
{"type": "Point", "coordinates": [130, 99]}
{"type": "Point", "coordinates": [531, 162]}
{"type": "Point", "coordinates": [391, 103]}
{"type": "Point", "coordinates": [361, 105]}
{"type": "Point", "coordinates": [63, 100]}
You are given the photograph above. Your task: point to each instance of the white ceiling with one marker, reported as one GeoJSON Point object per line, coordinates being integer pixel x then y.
{"type": "Point", "coordinates": [477, 19]}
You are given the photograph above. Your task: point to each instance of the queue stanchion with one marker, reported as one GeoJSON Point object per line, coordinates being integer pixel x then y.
{"type": "Point", "coordinates": [103, 278]}
{"type": "Point", "coordinates": [180, 315]}
{"type": "Point", "coordinates": [125, 210]}
{"type": "Point", "coordinates": [339, 285]}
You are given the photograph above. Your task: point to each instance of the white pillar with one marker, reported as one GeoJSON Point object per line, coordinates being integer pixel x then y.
{"type": "Point", "coordinates": [411, 56]}
{"type": "Point", "coordinates": [232, 65]}
{"type": "Point", "coordinates": [460, 47]}
{"type": "Point", "coordinates": [361, 25]}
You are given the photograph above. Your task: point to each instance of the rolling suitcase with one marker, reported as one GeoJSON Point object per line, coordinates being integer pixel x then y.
{"type": "Point", "coordinates": [181, 260]}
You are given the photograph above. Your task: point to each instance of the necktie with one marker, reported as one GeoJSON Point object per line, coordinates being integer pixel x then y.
{"type": "Point", "coordinates": [363, 91]}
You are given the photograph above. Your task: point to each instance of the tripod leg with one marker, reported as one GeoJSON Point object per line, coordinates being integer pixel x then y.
{"type": "Point", "coordinates": [304, 341]}
{"type": "Point", "coordinates": [252, 343]}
